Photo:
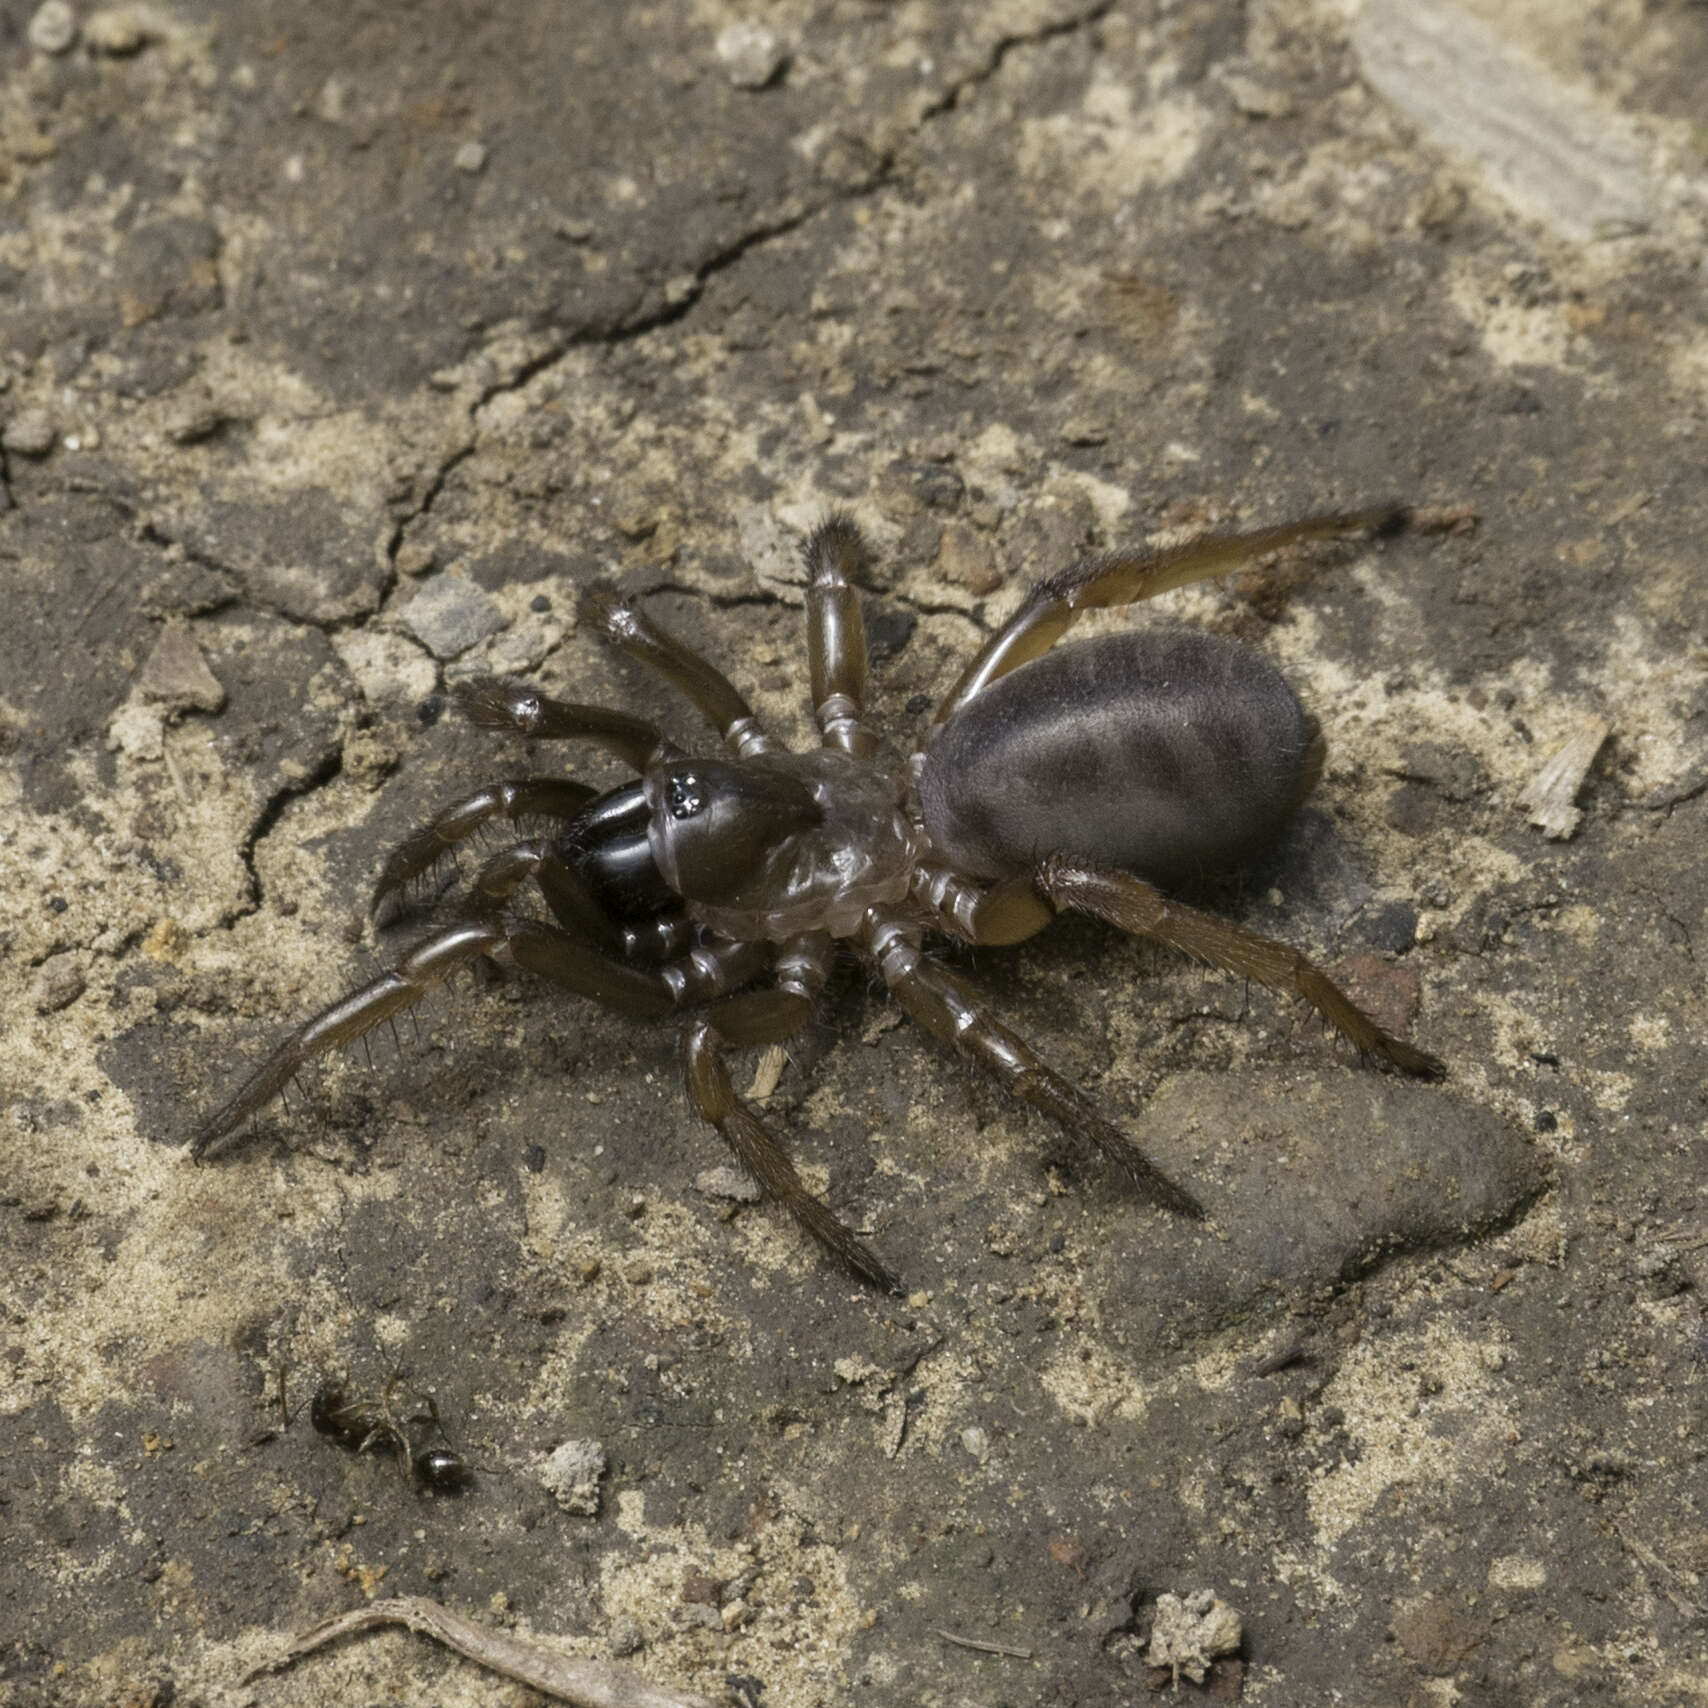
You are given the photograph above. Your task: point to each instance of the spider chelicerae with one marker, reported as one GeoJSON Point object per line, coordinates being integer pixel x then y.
{"type": "Point", "coordinates": [1092, 776]}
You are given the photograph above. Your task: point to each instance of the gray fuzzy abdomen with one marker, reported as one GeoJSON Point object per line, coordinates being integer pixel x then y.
{"type": "Point", "coordinates": [1173, 754]}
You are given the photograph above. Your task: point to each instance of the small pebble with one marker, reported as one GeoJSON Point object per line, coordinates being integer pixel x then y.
{"type": "Point", "coordinates": [571, 1476]}
{"type": "Point", "coordinates": [449, 615]}
{"type": "Point", "coordinates": [29, 435]}
{"type": "Point", "coordinates": [117, 31]}
{"type": "Point", "coordinates": [626, 1637]}
{"type": "Point", "coordinates": [53, 28]}
{"type": "Point", "coordinates": [58, 985]}
{"type": "Point", "coordinates": [415, 557]}
{"type": "Point", "coordinates": [751, 54]}
{"type": "Point", "coordinates": [734, 1184]}
{"type": "Point", "coordinates": [177, 675]}
{"type": "Point", "coordinates": [471, 157]}
{"type": "Point", "coordinates": [967, 558]}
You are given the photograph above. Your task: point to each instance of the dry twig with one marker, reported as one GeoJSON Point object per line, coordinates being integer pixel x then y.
{"type": "Point", "coordinates": [585, 1684]}
{"type": "Point", "coordinates": [985, 1648]}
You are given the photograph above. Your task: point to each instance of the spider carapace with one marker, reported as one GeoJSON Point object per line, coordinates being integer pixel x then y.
{"type": "Point", "coordinates": [1088, 776]}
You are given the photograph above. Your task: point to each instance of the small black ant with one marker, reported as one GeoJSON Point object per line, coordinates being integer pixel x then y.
{"type": "Point", "coordinates": [366, 1424]}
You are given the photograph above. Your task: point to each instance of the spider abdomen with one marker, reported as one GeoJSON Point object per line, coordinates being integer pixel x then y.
{"type": "Point", "coordinates": [1169, 753]}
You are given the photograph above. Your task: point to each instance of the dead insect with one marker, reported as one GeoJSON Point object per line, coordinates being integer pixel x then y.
{"type": "Point", "coordinates": [1080, 778]}
{"type": "Point", "coordinates": [375, 1424]}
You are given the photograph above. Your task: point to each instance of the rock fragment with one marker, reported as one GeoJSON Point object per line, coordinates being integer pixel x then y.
{"type": "Point", "coordinates": [28, 434]}
{"type": "Point", "coordinates": [571, 1474]}
{"type": "Point", "coordinates": [53, 28]}
{"type": "Point", "coordinates": [1191, 1631]}
{"type": "Point", "coordinates": [176, 675]}
{"type": "Point", "coordinates": [751, 54]}
{"type": "Point", "coordinates": [449, 615]}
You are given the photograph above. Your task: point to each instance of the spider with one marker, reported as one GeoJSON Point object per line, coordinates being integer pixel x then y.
{"type": "Point", "coordinates": [1090, 777]}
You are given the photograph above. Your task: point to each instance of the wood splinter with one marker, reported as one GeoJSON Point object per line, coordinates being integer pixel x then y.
{"type": "Point", "coordinates": [583, 1683]}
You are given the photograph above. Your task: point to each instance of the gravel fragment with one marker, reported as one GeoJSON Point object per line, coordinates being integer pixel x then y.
{"type": "Point", "coordinates": [1190, 1631]}
{"type": "Point", "coordinates": [625, 1636]}
{"type": "Point", "coordinates": [177, 675]}
{"type": "Point", "coordinates": [29, 434]}
{"type": "Point", "coordinates": [449, 615]}
{"type": "Point", "coordinates": [968, 559]}
{"type": "Point", "coordinates": [59, 984]}
{"type": "Point", "coordinates": [53, 28]}
{"type": "Point", "coordinates": [388, 668]}
{"type": "Point", "coordinates": [752, 55]}
{"type": "Point", "coordinates": [571, 1474]}
{"type": "Point", "coordinates": [730, 1183]}
{"type": "Point", "coordinates": [118, 30]}
{"type": "Point", "coordinates": [471, 158]}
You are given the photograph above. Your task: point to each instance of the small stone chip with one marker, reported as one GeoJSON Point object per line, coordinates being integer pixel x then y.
{"type": "Point", "coordinates": [118, 30]}
{"type": "Point", "coordinates": [726, 1182]}
{"type": "Point", "coordinates": [53, 28]}
{"type": "Point", "coordinates": [177, 675]}
{"type": "Point", "coordinates": [59, 984]}
{"type": "Point", "coordinates": [449, 615]}
{"type": "Point", "coordinates": [1190, 1631]}
{"type": "Point", "coordinates": [571, 1474]}
{"type": "Point", "coordinates": [29, 434]}
{"type": "Point", "coordinates": [966, 558]}
{"type": "Point", "coordinates": [751, 54]}
{"type": "Point", "coordinates": [471, 158]}
{"type": "Point", "coordinates": [1549, 800]}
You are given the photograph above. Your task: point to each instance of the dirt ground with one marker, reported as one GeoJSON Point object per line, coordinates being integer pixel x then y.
{"type": "Point", "coordinates": [341, 347]}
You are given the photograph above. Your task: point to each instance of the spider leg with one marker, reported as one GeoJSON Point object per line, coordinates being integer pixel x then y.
{"type": "Point", "coordinates": [768, 1017]}
{"type": "Point", "coordinates": [708, 971]}
{"type": "Point", "coordinates": [523, 797]}
{"type": "Point", "coordinates": [991, 916]}
{"type": "Point", "coordinates": [658, 938]}
{"type": "Point", "coordinates": [630, 630]}
{"type": "Point", "coordinates": [1124, 578]}
{"type": "Point", "coordinates": [954, 1013]}
{"type": "Point", "coordinates": [1136, 906]}
{"type": "Point", "coordinates": [351, 1017]}
{"type": "Point", "coordinates": [836, 635]}
{"type": "Point", "coordinates": [494, 704]}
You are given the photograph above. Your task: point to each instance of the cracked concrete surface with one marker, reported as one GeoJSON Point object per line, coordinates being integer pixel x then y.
{"type": "Point", "coordinates": [287, 388]}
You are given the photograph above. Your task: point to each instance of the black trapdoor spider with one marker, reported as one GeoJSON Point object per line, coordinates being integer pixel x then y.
{"type": "Point", "coordinates": [1081, 779]}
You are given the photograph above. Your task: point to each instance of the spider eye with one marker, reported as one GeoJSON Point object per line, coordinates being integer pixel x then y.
{"type": "Point", "coordinates": [683, 795]}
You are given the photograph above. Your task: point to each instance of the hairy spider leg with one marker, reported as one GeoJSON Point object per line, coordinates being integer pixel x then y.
{"type": "Point", "coordinates": [704, 973]}
{"type": "Point", "coordinates": [1125, 578]}
{"type": "Point", "coordinates": [630, 630]}
{"type": "Point", "coordinates": [521, 797]}
{"type": "Point", "coordinates": [990, 915]}
{"type": "Point", "coordinates": [836, 635]}
{"type": "Point", "coordinates": [769, 1017]}
{"type": "Point", "coordinates": [1133, 905]}
{"type": "Point", "coordinates": [351, 1017]}
{"type": "Point", "coordinates": [955, 1014]}
{"type": "Point", "coordinates": [753, 1017]}
{"type": "Point", "coordinates": [492, 704]}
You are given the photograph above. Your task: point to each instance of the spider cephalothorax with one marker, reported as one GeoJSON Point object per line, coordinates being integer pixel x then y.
{"type": "Point", "coordinates": [1077, 778]}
